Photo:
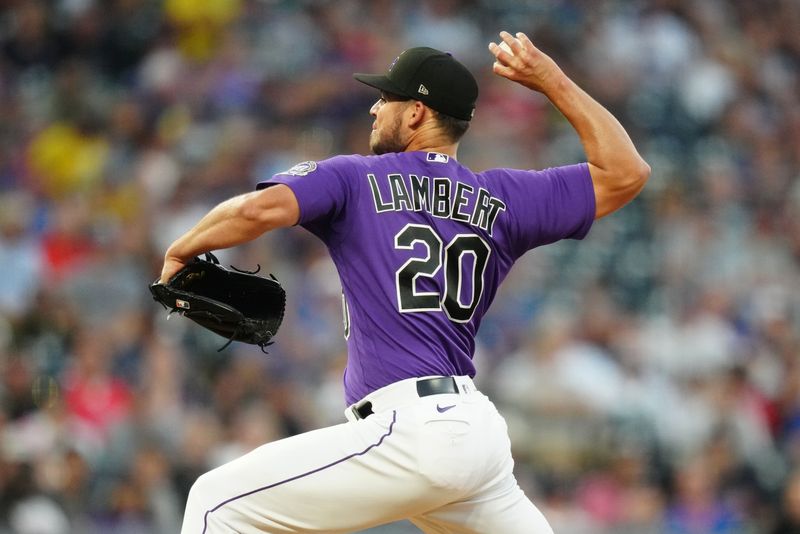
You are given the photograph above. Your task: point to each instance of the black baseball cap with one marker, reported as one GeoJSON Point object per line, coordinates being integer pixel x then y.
{"type": "Point", "coordinates": [431, 76]}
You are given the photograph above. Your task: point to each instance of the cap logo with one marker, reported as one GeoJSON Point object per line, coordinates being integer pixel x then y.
{"type": "Point", "coordinates": [422, 90]}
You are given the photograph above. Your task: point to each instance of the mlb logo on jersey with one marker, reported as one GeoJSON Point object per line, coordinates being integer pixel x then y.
{"type": "Point", "coordinates": [438, 158]}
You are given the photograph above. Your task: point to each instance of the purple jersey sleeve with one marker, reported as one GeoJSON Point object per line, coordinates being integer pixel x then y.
{"type": "Point", "coordinates": [546, 206]}
{"type": "Point", "coordinates": [322, 191]}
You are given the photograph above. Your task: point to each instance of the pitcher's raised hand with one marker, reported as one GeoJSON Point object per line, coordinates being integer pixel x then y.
{"type": "Point", "coordinates": [518, 59]}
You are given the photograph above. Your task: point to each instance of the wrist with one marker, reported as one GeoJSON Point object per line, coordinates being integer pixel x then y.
{"type": "Point", "coordinates": [173, 254]}
{"type": "Point", "coordinates": [556, 85]}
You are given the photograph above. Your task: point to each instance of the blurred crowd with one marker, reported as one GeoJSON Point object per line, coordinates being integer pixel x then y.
{"type": "Point", "coordinates": [650, 374]}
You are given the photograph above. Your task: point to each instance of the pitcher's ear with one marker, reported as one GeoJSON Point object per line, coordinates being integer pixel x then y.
{"type": "Point", "coordinates": [416, 113]}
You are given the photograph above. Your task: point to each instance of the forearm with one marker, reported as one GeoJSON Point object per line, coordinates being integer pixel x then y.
{"type": "Point", "coordinates": [233, 222]}
{"type": "Point", "coordinates": [226, 225]}
{"type": "Point", "coordinates": [618, 171]}
{"type": "Point", "coordinates": [605, 142]}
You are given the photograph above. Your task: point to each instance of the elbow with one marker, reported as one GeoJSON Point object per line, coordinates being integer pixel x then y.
{"type": "Point", "coordinates": [253, 213]}
{"type": "Point", "coordinates": [640, 173]}
{"type": "Point", "coordinates": [643, 171]}
{"type": "Point", "coordinates": [249, 209]}
{"type": "Point", "coordinates": [632, 176]}
{"type": "Point", "coordinates": [614, 190]}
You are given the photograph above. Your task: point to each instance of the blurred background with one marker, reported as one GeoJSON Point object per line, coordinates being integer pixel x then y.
{"type": "Point", "coordinates": [650, 375]}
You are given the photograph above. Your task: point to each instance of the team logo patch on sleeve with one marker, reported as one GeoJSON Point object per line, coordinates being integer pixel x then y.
{"type": "Point", "coordinates": [303, 168]}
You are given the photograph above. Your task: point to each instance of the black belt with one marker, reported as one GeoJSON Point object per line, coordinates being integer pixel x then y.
{"type": "Point", "coordinates": [425, 387]}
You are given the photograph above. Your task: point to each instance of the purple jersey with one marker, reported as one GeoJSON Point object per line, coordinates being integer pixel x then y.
{"type": "Point", "coordinates": [421, 244]}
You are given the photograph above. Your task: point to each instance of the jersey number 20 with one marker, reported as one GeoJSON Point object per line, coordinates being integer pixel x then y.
{"type": "Point", "coordinates": [459, 279]}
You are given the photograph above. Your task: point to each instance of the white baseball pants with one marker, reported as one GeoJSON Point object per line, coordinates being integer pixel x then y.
{"type": "Point", "coordinates": [442, 461]}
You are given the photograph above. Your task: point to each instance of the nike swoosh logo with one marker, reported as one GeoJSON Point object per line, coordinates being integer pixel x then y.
{"type": "Point", "coordinates": [442, 409]}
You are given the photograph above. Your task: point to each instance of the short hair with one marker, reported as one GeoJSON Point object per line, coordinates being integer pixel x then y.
{"type": "Point", "coordinates": [452, 127]}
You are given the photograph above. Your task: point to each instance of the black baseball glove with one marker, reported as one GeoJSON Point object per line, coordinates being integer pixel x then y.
{"type": "Point", "coordinates": [238, 305]}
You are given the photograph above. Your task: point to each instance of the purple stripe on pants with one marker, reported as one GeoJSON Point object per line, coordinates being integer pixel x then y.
{"type": "Point", "coordinates": [332, 464]}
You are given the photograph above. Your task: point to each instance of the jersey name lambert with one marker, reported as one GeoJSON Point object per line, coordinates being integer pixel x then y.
{"type": "Point", "coordinates": [439, 197]}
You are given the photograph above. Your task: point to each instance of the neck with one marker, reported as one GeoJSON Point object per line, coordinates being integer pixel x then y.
{"type": "Point", "coordinates": [428, 139]}
{"type": "Point", "coordinates": [451, 150]}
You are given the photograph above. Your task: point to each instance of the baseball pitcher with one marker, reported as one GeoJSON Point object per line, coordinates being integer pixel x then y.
{"type": "Point", "coordinates": [421, 244]}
